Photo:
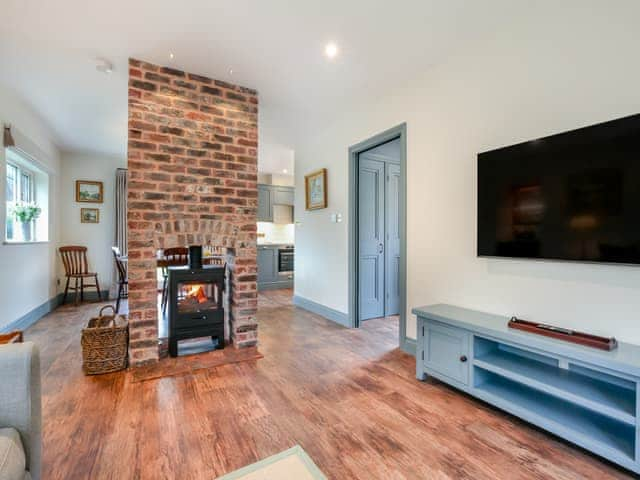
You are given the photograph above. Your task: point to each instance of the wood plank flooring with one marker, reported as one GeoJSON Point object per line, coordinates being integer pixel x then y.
{"type": "Point", "coordinates": [348, 397]}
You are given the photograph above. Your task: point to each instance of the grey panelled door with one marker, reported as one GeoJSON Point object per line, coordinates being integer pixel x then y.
{"type": "Point", "coordinates": [392, 253]}
{"type": "Point", "coordinates": [371, 237]}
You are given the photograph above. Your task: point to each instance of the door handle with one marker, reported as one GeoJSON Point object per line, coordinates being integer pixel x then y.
{"type": "Point", "coordinates": [381, 248]}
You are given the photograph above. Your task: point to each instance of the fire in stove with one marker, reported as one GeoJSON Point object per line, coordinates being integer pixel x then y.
{"type": "Point", "coordinates": [197, 297]}
{"type": "Point", "coordinates": [197, 293]}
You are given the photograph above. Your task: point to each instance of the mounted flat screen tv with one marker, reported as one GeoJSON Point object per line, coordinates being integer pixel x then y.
{"type": "Point", "coordinates": [572, 196]}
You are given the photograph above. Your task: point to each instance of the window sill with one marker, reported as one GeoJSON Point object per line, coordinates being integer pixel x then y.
{"type": "Point", "coordinates": [34, 242]}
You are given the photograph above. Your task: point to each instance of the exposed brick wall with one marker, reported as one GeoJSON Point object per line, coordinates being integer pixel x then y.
{"type": "Point", "coordinates": [192, 161]}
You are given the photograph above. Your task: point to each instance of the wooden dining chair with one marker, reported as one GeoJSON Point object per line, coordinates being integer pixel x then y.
{"type": "Point", "coordinates": [123, 280]}
{"type": "Point", "coordinates": [74, 259]}
{"type": "Point", "coordinates": [175, 256]}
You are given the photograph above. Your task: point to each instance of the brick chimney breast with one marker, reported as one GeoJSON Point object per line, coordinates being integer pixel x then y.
{"type": "Point", "coordinates": [192, 163]}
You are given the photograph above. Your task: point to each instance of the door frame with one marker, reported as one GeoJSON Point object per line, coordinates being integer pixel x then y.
{"type": "Point", "coordinates": [399, 131]}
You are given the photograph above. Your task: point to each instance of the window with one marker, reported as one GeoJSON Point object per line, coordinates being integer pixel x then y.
{"type": "Point", "coordinates": [26, 195]}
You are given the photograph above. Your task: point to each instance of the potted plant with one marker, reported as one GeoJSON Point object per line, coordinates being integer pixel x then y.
{"type": "Point", "coordinates": [26, 213]}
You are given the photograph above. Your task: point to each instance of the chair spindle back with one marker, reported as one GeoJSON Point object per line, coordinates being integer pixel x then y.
{"type": "Point", "coordinates": [74, 259]}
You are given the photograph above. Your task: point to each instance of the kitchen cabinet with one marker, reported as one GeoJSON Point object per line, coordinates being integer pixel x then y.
{"type": "Point", "coordinates": [270, 196]}
{"type": "Point", "coordinates": [265, 203]}
{"type": "Point", "coordinates": [267, 264]}
{"type": "Point", "coordinates": [283, 195]}
{"type": "Point", "coordinates": [268, 276]}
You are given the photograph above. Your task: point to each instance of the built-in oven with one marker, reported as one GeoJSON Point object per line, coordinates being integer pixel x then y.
{"type": "Point", "coordinates": [285, 260]}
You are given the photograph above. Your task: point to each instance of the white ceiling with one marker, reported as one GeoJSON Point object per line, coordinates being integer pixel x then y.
{"type": "Point", "coordinates": [276, 46]}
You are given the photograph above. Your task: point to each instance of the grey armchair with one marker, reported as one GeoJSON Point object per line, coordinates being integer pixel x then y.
{"type": "Point", "coordinates": [20, 409]}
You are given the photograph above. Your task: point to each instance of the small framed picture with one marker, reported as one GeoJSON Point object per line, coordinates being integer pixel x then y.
{"type": "Point", "coordinates": [315, 189]}
{"type": "Point", "coordinates": [89, 215]}
{"type": "Point", "coordinates": [88, 191]}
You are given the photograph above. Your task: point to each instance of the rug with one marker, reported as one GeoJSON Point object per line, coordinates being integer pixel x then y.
{"type": "Point", "coordinates": [292, 464]}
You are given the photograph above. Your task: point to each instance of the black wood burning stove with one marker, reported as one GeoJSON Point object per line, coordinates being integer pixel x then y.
{"type": "Point", "coordinates": [196, 306]}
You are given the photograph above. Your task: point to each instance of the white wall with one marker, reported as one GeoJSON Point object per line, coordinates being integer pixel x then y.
{"type": "Point", "coordinates": [275, 154]}
{"type": "Point", "coordinates": [28, 272]}
{"type": "Point", "coordinates": [98, 238]}
{"type": "Point", "coordinates": [553, 69]}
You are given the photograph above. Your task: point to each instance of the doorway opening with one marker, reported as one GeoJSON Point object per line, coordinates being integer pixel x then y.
{"type": "Point", "coordinates": [377, 230]}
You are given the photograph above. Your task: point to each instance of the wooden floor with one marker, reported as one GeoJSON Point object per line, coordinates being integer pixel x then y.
{"type": "Point", "coordinates": [348, 397]}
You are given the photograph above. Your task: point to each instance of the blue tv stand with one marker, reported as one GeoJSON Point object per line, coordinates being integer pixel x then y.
{"type": "Point", "coordinates": [584, 395]}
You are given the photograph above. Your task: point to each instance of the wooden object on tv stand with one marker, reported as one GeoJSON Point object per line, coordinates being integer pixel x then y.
{"type": "Point", "coordinates": [11, 337]}
{"type": "Point", "coordinates": [586, 339]}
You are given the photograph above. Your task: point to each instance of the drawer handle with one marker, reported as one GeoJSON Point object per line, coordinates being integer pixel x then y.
{"type": "Point", "coordinates": [463, 358]}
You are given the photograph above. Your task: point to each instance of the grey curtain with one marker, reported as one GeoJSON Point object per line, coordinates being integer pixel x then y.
{"type": "Point", "coordinates": [120, 239]}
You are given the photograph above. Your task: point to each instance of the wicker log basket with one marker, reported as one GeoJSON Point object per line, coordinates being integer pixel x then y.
{"type": "Point", "coordinates": [104, 343]}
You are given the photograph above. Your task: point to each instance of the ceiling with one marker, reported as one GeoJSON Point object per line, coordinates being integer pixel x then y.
{"type": "Point", "coordinates": [47, 52]}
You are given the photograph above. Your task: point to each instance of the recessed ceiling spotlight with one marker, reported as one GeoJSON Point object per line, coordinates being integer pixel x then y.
{"type": "Point", "coordinates": [231, 71]}
{"type": "Point", "coordinates": [284, 170]}
{"type": "Point", "coordinates": [331, 50]}
{"type": "Point", "coordinates": [104, 66]}
{"type": "Point", "coordinates": [171, 55]}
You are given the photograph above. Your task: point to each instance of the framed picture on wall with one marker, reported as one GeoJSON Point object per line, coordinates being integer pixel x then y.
{"type": "Point", "coordinates": [315, 189]}
{"type": "Point", "coordinates": [89, 192]}
{"type": "Point", "coordinates": [89, 215]}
